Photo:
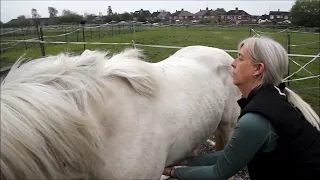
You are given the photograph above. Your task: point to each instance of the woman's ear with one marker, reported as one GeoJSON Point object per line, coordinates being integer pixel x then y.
{"type": "Point", "coordinates": [259, 69]}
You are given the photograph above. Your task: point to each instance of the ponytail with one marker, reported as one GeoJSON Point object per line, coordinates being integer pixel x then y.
{"type": "Point", "coordinates": [304, 107]}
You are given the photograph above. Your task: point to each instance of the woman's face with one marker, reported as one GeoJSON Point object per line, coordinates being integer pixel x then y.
{"type": "Point", "coordinates": [244, 70]}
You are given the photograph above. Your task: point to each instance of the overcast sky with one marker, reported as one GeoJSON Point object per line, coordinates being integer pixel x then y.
{"type": "Point", "coordinates": [10, 9]}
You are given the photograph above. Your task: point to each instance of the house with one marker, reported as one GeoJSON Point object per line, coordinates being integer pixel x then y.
{"type": "Point", "coordinates": [154, 16]}
{"type": "Point", "coordinates": [215, 16]}
{"type": "Point", "coordinates": [202, 14]}
{"type": "Point", "coordinates": [207, 15]}
{"type": "Point", "coordinates": [182, 16]}
{"type": "Point", "coordinates": [264, 19]}
{"type": "Point", "coordinates": [279, 16]}
{"type": "Point", "coordinates": [164, 16]}
{"type": "Point", "coordinates": [174, 16]}
{"type": "Point", "coordinates": [255, 18]}
{"type": "Point", "coordinates": [236, 16]}
{"type": "Point", "coordinates": [142, 13]}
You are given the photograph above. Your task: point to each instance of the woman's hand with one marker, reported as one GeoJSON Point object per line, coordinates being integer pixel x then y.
{"type": "Point", "coordinates": [168, 171]}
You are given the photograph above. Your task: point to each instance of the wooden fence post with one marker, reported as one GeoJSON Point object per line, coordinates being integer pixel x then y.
{"type": "Point", "coordinates": [40, 38]}
{"type": "Point", "coordinates": [289, 52]}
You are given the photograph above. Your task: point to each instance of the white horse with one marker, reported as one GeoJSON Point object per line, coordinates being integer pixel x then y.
{"type": "Point", "coordinates": [119, 117]}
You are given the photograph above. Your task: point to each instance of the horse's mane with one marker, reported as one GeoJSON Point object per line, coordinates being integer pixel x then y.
{"type": "Point", "coordinates": [49, 109]}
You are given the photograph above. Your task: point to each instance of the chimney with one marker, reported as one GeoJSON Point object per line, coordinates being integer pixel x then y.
{"type": "Point", "coordinates": [176, 10]}
{"type": "Point", "coordinates": [182, 9]}
{"type": "Point", "coordinates": [278, 10]}
{"type": "Point", "coordinates": [207, 8]}
{"type": "Point", "coordinates": [236, 8]}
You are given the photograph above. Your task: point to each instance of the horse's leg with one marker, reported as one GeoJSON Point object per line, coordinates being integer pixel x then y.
{"type": "Point", "coordinates": [217, 139]}
{"type": "Point", "coordinates": [226, 126]}
{"type": "Point", "coordinates": [222, 136]}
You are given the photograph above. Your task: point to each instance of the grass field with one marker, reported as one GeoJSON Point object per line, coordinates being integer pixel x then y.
{"type": "Point", "coordinates": [225, 38]}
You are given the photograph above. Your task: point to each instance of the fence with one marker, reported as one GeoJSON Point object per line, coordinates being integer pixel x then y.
{"type": "Point", "coordinates": [80, 35]}
{"type": "Point", "coordinates": [303, 47]}
{"type": "Point", "coordinates": [30, 37]}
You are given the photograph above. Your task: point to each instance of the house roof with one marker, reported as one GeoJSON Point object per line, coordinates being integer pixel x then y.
{"type": "Point", "coordinates": [202, 13]}
{"type": "Point", "coordinates": [255, 16]}
{"type": "Point", "coordinates": [237, 12]}
{"type": "Point", "coordinates": [185, 13]}
{"type": "Point", "coordinates": [143, 12]}
{"type": "Point", "coordinates": [182, 13]}
{"type": "Point", "coordinates": [215, 13]}
{"type": "Point", "coordinates": [163, 14]}
{"type": "Point", "coordinates": [176, 13]}
{"type": "Point", "coordinates": [155, 14]}
{"type": "Point", "coordinates": [278, 12]}
{"type": "Point", "coordinates": [263, 17]}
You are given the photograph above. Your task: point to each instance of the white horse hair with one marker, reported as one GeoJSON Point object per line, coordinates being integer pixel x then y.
{"type": "Point", "coordinates": [95, 116]}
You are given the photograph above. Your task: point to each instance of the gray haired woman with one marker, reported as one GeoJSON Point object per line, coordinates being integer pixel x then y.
{"type": "Point", "coordinates": [277, 135]}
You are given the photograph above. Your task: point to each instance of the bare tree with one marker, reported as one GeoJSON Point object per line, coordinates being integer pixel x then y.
{"type": "Point", "coordinates": [109, 11]}
{"type": "Point", "coordinates": [53, 12]}
{"type": "Point", "coordinates": [35, 14]}
{"type": "Point", "coordinates": [21, 17]}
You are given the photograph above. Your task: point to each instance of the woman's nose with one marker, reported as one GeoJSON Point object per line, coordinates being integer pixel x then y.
{"type": "Point", "coordinates": [233, 64]}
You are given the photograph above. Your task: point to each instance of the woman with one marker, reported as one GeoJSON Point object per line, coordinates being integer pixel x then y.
{"type": "Point", "coordinates": [277, 135]}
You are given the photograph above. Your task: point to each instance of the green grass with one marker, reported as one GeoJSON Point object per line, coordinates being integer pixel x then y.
{"type": "Point", "coordinates": [225, 38]}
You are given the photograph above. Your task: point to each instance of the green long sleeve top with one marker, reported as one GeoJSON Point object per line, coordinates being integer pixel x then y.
{"type": "Point", "coordinates": [252, 133]}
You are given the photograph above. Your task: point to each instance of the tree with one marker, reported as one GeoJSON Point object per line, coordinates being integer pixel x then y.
{"type": "Point", "coordinates": [35, 17]}
{"type": "Point", "coordinates": [305, 13]}
{"type": "Point", "coordinates": [109, 11]}
{"type": "Point", "coordinates": [53, 12]}
{"type": "Point", "coordinates": [21, 17]}
{"type": "Point", "coordinates": [126, 16]}
{"type": "Point", "coordinates": [141, 18]}
{"type": "Point", "coordinates": [89, 17]}
{"type": "Point", "coordinates": [220, 10]}
{"type": "Point", "coordinates": [70, 17]}
{"type": "Point", "coordinates": [34, 13]}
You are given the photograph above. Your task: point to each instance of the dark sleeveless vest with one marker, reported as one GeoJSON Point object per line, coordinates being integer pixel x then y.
{"type": "Point", "coordinates": [297, 154]}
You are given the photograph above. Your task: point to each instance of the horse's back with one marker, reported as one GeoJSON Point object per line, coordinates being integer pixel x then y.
{"type": "Point", "coordinates": [207, 56]}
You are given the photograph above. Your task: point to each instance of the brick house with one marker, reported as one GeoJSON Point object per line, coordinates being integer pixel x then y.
{"type": "Point", "coordinates": [164, 16]}
{"type": "Point", "coordinates": [279, 16]}
{"type": "Point", "coordinates": [154, 16]}
{"type": "Point", "coordinates": [144, 13]}
{"type": "Point", "coordinates": [181, 16]}
{"type": "Point", "coordinates": [202, 14]}
{"type": "Point", "coordinates": [236, 16]}
{"type": "Point", "coordinates": [207, 15]}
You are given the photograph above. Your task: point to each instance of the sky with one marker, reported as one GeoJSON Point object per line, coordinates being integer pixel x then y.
{"type": "Point", "coordinates": [11, 9]}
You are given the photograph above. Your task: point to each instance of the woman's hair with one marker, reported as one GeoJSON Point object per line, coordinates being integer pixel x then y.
{"type": "Point", "coordinates": [275, 59]}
